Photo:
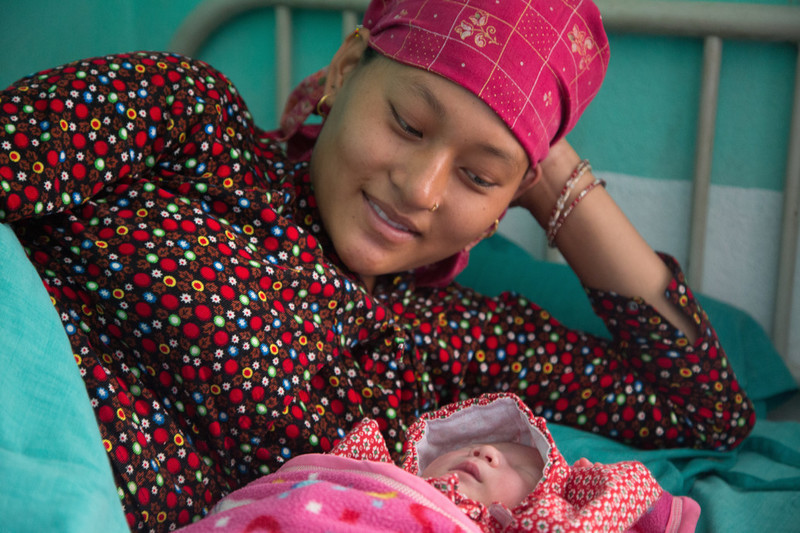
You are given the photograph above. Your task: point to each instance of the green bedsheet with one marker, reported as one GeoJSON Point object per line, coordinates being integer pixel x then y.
{"type": "Point", "coordinates": [755, 488]}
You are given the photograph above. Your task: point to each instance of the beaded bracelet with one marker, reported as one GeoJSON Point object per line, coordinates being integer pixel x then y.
{"type": "Point", "coordinates": [579, 171]}
{"type": "Point", "coordinates": [553, 229]}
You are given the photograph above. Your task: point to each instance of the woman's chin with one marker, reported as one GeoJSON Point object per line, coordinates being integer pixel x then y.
{"type": "Point", "coordinates": [365, 263]}
{"type": "Point", "coordinates": [368, 267]}
{"type": "Point", "coordinates": [369, 261]}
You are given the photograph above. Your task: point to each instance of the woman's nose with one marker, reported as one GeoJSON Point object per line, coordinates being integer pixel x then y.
{"type": "Point", "coordinates": [421, 179]}
{"type": "Point", "coordinates": [488, 453]}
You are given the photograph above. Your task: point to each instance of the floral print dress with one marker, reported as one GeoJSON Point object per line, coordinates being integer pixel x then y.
{"type": "Point", "coordinates": [219, 335]}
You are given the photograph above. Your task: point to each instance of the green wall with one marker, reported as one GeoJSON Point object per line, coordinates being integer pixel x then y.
{"type": "Point", "coordinates": [642, 122]}
{"type": "Point", "coordinates": [37, 34]}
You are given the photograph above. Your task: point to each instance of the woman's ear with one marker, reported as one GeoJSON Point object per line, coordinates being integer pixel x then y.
{"type": "Point", "coordinates": [345, 60]}
{"type": "Point", "coordinates": [531, 178]}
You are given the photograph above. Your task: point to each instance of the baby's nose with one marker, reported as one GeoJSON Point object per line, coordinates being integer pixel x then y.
{"type": "Point", "coordinates": [488, 453]}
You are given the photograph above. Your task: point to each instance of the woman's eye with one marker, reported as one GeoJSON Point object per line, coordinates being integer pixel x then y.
{"type": "Point", "coordinates": [477, 180]}
{"type": "Point", "coordinates": [404, 125]}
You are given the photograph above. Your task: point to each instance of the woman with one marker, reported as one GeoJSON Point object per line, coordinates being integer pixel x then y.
{"type": "Point", "coordinates": [230, 306]}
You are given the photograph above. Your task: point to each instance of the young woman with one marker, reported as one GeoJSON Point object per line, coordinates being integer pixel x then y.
{"type": "Point", "coordinates": [231, 306]}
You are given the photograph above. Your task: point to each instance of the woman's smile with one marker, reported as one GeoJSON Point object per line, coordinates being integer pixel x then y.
{"type": "Point", "coordinates": [394, 226]}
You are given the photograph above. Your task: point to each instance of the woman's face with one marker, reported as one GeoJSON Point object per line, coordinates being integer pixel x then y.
{"type": "Point", "coordinates": [503, 472]}
{"type": "Point", "coordinates": [398, 141]}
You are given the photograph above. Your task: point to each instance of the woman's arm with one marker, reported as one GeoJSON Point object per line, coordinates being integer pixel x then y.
{"type": "Point", "coordinates": [598, 241]}
{"type": "Point", "coordinates": [646, 386]}
{"type": "Point", "coordinates": [68, 133]}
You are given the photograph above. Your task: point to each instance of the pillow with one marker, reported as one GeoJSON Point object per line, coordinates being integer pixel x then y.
{"type": "Point", "coordinates": [498, 265]}
{"type": "Point", "coordinates": [56, 475]}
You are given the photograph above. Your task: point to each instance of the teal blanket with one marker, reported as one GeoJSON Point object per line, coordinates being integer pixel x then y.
{"type": "Point", "coordinates": [56, 476]}
{"type": "Point", "coordinates": [751, 489]}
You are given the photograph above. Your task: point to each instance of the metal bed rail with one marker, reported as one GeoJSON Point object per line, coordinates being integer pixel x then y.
{"type": "Point", "coordinates": [711, 21]}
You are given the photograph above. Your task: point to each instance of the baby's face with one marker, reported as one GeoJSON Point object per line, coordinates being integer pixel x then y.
{"type": "Point", "coordinates": [503, 472]}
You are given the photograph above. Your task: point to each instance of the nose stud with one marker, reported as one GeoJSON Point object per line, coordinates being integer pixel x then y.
{"type": "Point", "coordinates": [434, 207]}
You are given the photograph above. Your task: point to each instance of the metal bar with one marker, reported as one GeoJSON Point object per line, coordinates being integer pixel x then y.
{"type": "Point", "coordinates": [349, 23]}
{"type": "Point", "coordinates": [790, 230]}
{"type": "Point", "coordinates": [283, 57]}
{"type": "Point", "coordinates": [727, 20]}
{"type": "Point", "coordinates": [211, 15]}
{"type": "Point", "coordinates": [691, 19]}
{"type": "Point", "coordinates": [704, 152]}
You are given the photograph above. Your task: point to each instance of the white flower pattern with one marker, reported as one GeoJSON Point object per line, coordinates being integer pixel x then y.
{"type": "Point", "coordinates": [477, 25]}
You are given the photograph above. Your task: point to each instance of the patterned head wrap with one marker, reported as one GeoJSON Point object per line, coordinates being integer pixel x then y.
{"type": "Point", "coordinates": [536, 63]}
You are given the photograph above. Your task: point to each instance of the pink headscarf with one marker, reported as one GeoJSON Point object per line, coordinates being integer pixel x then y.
{"type": "Point", "coordinates": [536, 63]}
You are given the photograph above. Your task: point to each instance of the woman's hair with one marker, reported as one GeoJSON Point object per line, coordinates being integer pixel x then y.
{"type": "Point", "coordinates": [368, 55]}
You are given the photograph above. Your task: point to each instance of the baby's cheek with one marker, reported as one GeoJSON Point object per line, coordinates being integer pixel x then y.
{"type": "Point", "coordinates": [514, 489]}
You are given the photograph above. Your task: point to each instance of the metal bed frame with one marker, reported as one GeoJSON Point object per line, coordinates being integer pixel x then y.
{"type": "Point", "coordinates": [712, 22]}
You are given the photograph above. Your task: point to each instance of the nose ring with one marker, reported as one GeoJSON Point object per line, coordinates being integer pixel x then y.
{"type": "Point", "coordinates": [435, 207]}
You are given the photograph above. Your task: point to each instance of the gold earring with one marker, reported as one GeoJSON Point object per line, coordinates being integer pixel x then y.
{"type": "Point", "coordinates": [493, 228]}
{"type": "Point", "coordinates": [356, 33]}
{"type": "Point", "coordinates": [435, 207]}
{"type": "Point", "coordinates": [320, 111]}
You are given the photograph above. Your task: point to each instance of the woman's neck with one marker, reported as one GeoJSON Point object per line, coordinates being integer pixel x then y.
{"type": "Point", "coordinates": [369, 282]}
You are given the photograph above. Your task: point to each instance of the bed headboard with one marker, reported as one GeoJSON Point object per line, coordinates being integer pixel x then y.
{"type": "Point", "coordinates": [712, 25]}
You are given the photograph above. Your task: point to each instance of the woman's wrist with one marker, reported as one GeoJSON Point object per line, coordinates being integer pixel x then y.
{"type": "Point", "coordinates": [556, 168]}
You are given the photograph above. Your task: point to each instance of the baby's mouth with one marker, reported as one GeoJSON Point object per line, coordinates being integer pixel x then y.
{"type": "Point", "coordinates": [469, 468]}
